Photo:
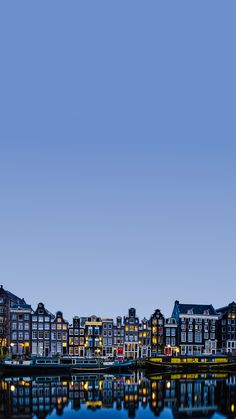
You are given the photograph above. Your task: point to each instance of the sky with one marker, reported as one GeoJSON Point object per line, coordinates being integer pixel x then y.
{"type": "Point", "coordinates": [117, 154]}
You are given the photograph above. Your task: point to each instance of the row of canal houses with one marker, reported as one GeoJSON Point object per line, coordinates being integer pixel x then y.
{"type": "Point", "coordinates": [192, 329]}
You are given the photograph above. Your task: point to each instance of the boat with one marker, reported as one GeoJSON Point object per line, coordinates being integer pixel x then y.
{"type": "Point", "coordinates": [41, 364]}
{"type": "Point", "coordinates": [100, 365]}
{"type": "Point", "coordinates": [191, 362]}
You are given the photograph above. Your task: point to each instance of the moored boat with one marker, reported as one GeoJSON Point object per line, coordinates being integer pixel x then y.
{"type": "Point", "coordinates": [191, 362]}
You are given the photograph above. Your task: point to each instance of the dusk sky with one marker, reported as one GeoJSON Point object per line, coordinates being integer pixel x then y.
{"type": "Point", "coordinates": [118, 154]}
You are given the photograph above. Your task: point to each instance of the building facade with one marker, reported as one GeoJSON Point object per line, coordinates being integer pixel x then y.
{"type": "Point", "coordinates": [144, 339]}
{"type": "Point", "coordinates": [131, 334]}
{"type": "Point", "coordinates": [227, 328]}
{"type": "Point", "coordinates": [171, 337]}
{"type": "Point", "coordinates": [59, 335]}
{"type": "Point", "coordinates": [41, 331]}
{"type": "Point", "coordinates": [93, 336]}
{"type": "Point", "coordinates": [157, 332]}
{"type": "Point", "coordinates": [76, 337]}
{"type": "Point", "coordinates": [197, 325]}
{"type": "Point", "coordinates": [7, 300]}
{"type": "Point", "coordinates": [118, 337]}
{"type": "Point", "coordinates": [20, 329]}
{"type": "Point", "coordinates": [107, 337]}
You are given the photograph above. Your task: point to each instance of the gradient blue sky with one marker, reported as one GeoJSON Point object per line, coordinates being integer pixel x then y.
{"type": "Point", "coordinates": [118, 154]}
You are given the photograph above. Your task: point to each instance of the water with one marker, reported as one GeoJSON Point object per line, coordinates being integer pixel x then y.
{"type": "Point", "coordinates": [110, 396]}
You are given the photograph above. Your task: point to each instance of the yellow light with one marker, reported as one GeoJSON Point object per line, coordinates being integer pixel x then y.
{"type": "Point", "coordinates": [232, 408]}
{"type": "Point", "coordinates": [12, 344]}
{"type": "Point", "coordinates": [153, 396]}
{"type": "Point", "coordinates": [168, 384]}
{"type": "Point", "coordinates": [13, 387]}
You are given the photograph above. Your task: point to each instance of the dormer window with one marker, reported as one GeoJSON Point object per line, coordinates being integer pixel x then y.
{"type": "Point", "coordinates": [206, 313]}
{"type": "Point", "coordinates": [190, 311]}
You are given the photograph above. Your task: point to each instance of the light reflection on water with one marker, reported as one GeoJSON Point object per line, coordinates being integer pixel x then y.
{"type": "Point", "coordinates": [134, 395]}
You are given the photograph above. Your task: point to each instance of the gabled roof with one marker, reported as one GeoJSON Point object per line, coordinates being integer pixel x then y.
{"type": "Point", "coordinates": [199, 309]}
{"type": "Point", "coordinates": [14, 298]}
{"type": "Point", "coordinates": [226, 308]}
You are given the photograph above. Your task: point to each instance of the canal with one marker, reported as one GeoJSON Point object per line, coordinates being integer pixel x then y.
{"type": "Point", "coordinates": [111, 396]}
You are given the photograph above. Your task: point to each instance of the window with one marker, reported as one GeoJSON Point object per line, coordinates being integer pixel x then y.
{"type": "Point", "coordinates": [183, 336]}
{"type": "Point", "coordinates": [14, 335]}
{"type": "Point", "coordinates": [173, 342]}
{"type": "Point", "coordinates": [26, 335]}
{"type": "Point", "coordinates": [167, 331]}
{"type": "Point", "coordinates": [35, 335]}
{"type": "Point", "coordinates": [20, 326]}
{"type": "Point", "coordinates": [26, 326]}
{"type": "Point", "coordinates": [34, 326]}
{"type": "Point", "coordinates": [190, 336]}
{"type": "Point", "coordinates": [40, 335]}
{"type": "Point", "coordinates": [20, 335]}
{"type": "Point", "coordinates": [198, 337]}
{"type": "Point", "coordinates": [172, 332]}
{"type": "Point", "coordinates": [26, 316]}
{"type": "Point", "coordinates": [13, 326]}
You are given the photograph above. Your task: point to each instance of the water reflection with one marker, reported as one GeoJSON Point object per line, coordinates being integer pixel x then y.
{"type": "Point", "coordinates": [186, 395]}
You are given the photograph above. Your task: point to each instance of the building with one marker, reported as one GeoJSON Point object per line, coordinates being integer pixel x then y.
{"type": "Point", "coordinates": [157, 332]}
{"type": "Point", "coordinates": [131, 334]}
{"type": "Point", "coordinates": [76, 336]}
{"type": "Point", "coordinates": [7, 300]}
{"type": "Point", "coordinates": [227, 328]}
{"type": "Point", "coordinates": [107, 337]}
{"type": "Point", "coordinates": [144, 339]}
{"type": "Point", "coordinates": [20, 329]}
{"type": "Point", "coordinates": [41, 331]}
{"type": "Point", "coordinates": [118, 337]}
{"type": "Point", "coordinates": [93, 336]}
{"type": "Point", "coordinates": [59, 335]}
{"type": "Point", "coordinates": [196, 328]}
{"type": "Point", "coordinates": [171, 337]}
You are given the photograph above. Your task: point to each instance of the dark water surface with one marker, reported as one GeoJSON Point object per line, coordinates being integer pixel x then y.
{"type": "Point", "coordinates": [137, 395]}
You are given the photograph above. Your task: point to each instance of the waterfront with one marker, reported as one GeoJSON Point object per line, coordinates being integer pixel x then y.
{"type": "Point", "coordinates": [107, 395]}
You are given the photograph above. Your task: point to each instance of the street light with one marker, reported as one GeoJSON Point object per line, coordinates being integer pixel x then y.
{"type": "Point", "coordinates": [12, 346]}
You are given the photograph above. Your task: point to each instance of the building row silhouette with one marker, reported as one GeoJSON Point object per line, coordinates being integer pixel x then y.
{"type": "Point", "coordinates": [191, 329]}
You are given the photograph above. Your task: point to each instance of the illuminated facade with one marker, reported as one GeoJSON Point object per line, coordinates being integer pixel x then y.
{"type": "Point", "coordinates": [157, 332]}
{"type": "Point", "coordinates": [41, 331]}
{"type": "Point", "coordinates": [93, 336]}
{"type": "Point", "coordinates": [144, 339]}
{"type": "Point", "coordinates": [131, 334]}
{"type": "Point", "coordinates": [7, 300]}
{"type": "Point", "coordinates": [76, 337]}
{"type": "Point", "coordinates": [227, 328]}
{"type": "Point", "coordinates": [20, 329]}
{"type": "Point", "coordinates": [196, 328]}
{"type": "Point", "coordinates": [59, 335]}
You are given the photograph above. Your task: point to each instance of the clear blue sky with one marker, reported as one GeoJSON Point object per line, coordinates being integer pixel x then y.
{"type": "Point", "coordinates": [118, 154]}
